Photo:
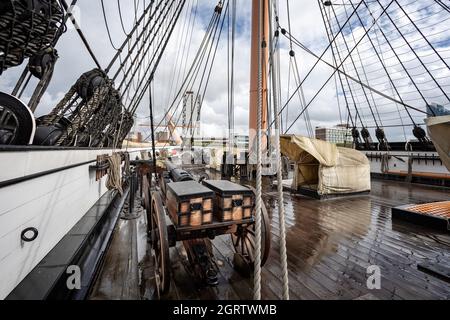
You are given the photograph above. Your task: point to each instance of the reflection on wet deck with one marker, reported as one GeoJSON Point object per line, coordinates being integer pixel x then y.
{"type": "Point", "coordinates": [330, 244]}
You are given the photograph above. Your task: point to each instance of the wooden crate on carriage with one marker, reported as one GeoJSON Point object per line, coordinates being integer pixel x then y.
{"type": "Point", "coordinates": [232, 202]}
{"type": "Point", "coordinates": [189, 203]}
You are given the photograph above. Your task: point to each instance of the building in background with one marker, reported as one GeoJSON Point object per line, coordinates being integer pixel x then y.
{"type": "Point", "coordinates": [135, 136]}
{"type": "Point", "coordinates": [339, 134]}
{"type": "Point", "coordinates": [241, 142]}
{"type": "Point", "coordinates": [191, 115]}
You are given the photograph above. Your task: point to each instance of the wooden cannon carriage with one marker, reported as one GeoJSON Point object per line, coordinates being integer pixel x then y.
{"type": "Point", "coordinates": [179, 208]}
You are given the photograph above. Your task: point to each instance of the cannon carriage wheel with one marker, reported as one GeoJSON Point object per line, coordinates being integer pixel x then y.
{"type": "Point", "coordinates": [159, 244]}
{"type": "Point", "coordinates": [244, 238]}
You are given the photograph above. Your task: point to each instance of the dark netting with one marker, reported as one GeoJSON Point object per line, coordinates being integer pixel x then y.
{"type": "Point", "coordinates": [26, 28]}
{"type": "Point", "coordinates": [125, 125]}
{"type": "Point", "coordinates": [89, 115]}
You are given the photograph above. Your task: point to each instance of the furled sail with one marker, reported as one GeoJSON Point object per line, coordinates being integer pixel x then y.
{"type": "Point", "coordinates": [439, 131]}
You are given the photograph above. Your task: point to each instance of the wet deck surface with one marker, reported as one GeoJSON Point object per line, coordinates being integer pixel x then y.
{"type": "Point", "coordinates": [330, 244]}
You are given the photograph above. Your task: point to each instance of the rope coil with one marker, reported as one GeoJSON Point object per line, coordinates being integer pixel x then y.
{"type": "Point", "coordinates": [114, 180]}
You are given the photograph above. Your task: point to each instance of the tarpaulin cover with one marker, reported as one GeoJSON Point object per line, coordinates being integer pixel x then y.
{"type": "Point", "coordinates": [439, 131]}
{"type": "Point", "coordinates": [333, 169]}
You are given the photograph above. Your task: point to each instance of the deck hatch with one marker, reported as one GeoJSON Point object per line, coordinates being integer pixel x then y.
{"type": "Point", "coordinates": [434, 214]}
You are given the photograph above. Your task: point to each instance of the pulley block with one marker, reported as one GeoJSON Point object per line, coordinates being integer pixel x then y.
{"type": "Point", "coordinates": [365, 133]}
{"type": "Point", "coordinates": [420, 134]}
{"type": "Point", "coordinates": [355, 134]}
{"type": "Point", "coordinates": [42, 61]}
{"type": "Point", "coordinates": [89, 82]}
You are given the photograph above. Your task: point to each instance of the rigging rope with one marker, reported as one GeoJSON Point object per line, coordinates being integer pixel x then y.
{"type": "Point", "coordinates": [107, 27]}
{"type": "Point", "coordinates": [80, 33]}
{"type": "Point", "coordinates": [281, 211]}
{"type": "Point", "coordinates": [192, 73]}
{"type": "Point", "coordinates": [258, 204]}
{"type": "Point", "coordinates": [159, 50]}
{"type": "Point", "coordinates": [317, 61]}
{"type": "Point", "coordinates": [353, 62]}
{"type": "Point", "coordinates": [337, 69]}
{"type": "Point", "coordinates": [293, 66]}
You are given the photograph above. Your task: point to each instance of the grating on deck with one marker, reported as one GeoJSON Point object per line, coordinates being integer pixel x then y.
{"type": "Point", "coordinates": [440, 209]}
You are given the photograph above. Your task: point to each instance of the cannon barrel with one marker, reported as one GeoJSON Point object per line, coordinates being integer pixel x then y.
{"type": "Point", "coordinates": [178, 174]}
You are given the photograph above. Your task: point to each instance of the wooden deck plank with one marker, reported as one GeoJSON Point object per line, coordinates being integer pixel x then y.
{"type": "Point", "coordinates": [398, 259]}
{"type": "Point", "coordinates": [331, 243]}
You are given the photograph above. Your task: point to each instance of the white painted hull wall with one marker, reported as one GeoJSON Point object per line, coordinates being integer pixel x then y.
{"type": "Point", "coordinates": [52, 204]}
{"type": "Point", "coordinates": [398, 163]}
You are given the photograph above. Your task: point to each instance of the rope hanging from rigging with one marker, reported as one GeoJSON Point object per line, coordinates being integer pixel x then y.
{"type": "Point", "coordinates": [258, 200]}
{"type": "Point", "coordinates": [281, 212]}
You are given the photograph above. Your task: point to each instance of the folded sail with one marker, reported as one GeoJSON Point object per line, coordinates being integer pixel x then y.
{"type": "Point", "coordinates": [439, 131]}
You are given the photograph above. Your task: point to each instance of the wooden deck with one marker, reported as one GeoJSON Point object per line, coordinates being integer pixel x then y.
{"type": "Point", "coordinates": [330, 244]}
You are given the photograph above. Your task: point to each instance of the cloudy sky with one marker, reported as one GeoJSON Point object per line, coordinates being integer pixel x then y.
{"type": "Point", "coordinates": [307, 27]}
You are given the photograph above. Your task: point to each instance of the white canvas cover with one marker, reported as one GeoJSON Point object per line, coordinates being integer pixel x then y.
{"type": "Point", "coordinates": [325, 166]}
{"type": "Point", "coordinates": [439, 131]}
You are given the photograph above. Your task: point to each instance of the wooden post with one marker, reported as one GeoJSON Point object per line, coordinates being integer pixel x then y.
{"type": "Point", "coordinates": [254, 68]}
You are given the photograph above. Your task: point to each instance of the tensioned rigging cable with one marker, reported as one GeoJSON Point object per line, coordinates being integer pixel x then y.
{"type": "Point", "coordinates": [417, 56]}
{"type": "Point", "coordinates": [293, 66]}
{"type": "Point", "coordinates": [281, 210]}
{"type": "Point", "coordinates": [366, 97]}
{"type": "Point", "coordinates": [159, 39]}
{"type": "Point", "coordinates": [337, 69]}
{"type": "Point", "coordinates": [164, 13]}
{"type": "Point", "coordinates": [401, 63]}
{"type": "Point", "coordinates": [230, 71]}
{"type": "Point", "coordinates": [183, 34]}
{"type": "Point", "coordinates": [188, 79]}
{"type": "Point", "coordinates": [341, 77]}
{"type": "Point", "coordinates": [159, 50]}
{"type": "Point", "coordinates": [206, 43]}
{"type": "Point", "coordinates": [392, 85]}
{"type": "Point", "coordinates": [123, 64]}
{"type": "Point", "coordinates": [318, 60]}
{"type": "Point", "coordinates": [209, 60]}
{"type": "Point", "coordinates": [148, 71]}
{"type": "Point", "coordinates": [140, 55]}
{"type": "Point", "coordinates": [184, 63]}
{"type": "Point", "coordinates": [80, 33]}
{"type": "Point", "coordinates": [211, 64]}
{"type": "Point", "coordinates": [427, 17]}
{"type": "Point", "coordinates": [135, 28]}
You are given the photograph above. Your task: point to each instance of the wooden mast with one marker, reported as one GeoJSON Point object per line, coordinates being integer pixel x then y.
{"type": "Point", "coordinates": [256, 49]}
